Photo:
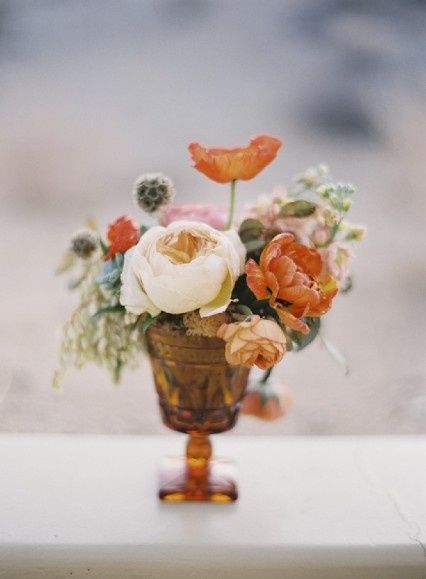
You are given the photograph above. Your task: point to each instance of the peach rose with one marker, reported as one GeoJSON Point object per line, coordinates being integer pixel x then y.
{"type": "Point", "coordinates": [255, 341]}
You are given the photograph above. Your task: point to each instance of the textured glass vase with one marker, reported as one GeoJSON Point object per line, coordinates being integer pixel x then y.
{"type": "Point", "coordinates": [199, 394]}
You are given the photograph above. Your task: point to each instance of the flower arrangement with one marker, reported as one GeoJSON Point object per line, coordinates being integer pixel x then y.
{"type": "Point", "coordinates": [260, 283]}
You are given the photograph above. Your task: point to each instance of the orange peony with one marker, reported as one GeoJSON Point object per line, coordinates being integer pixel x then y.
{"type": "Point", "coordinates": [226, 165]}
{"type": "Point", "coordinates": [289, 275]}
{"type": "Point", "coordinates": [123, 233]}
{"type": "Point", "coordinates": [255, 341]}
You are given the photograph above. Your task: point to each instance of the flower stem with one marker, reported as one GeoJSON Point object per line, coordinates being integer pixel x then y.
{"type": "Point", "coordinates": [266, 375]}
{"type": "Point", "coordinates": [232, 204]}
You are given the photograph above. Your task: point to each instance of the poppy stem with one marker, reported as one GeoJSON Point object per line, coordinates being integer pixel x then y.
{"type": "Point", "coordinates": [232, 204]}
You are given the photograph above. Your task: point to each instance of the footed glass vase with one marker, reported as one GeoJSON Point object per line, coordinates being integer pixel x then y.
{"type": "Point", "coordinates": [199, 394]}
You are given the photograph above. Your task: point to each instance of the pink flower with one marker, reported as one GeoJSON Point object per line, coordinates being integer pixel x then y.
{"type": "Point", "coordinates": [267, 402]}
{"type": "Point", "coordinates": [336, 259]}
{"type": "Point", "coordinates": [321, 235]}
{"type": "Point", "coordinates": [209, 214]}
{"type": "Point", "coordinates": [267, 210]}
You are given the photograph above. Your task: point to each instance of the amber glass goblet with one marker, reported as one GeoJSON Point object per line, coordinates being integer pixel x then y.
{"type": "Point", "coordinates": [199, 394]}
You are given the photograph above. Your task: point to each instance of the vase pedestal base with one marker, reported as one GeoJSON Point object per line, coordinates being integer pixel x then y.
{"type": "Point", "coordinates": [180, 482]}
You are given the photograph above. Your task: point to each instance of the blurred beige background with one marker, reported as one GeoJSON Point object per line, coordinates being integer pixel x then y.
{"type": "Point", "coordinates": [95, 92]}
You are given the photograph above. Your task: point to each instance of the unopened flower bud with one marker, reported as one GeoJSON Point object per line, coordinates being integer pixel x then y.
{"type": "Point", "coordinates": [330, 217]}
{"type": "Point", "coordinates": [152, 191]}
{"type": "Point", "coordinates": [346, 204]}
{"type": "Point", "coordinates": [84, 243]}
{"type": "Point", "coordinates": [356, 233]}
{"type": "Point", "coordinates": [325, 191]}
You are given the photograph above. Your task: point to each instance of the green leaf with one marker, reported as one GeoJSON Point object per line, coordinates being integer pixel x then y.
{"type": "Point", "coordinates": [103, 245]}
{"type": "Point", "coordinates": [254, 245]}
{"type": "Point", "coordinates": [303, 340]}
{"type": "Point", "coordinates": [143, 229]}
{"type": "Point", "coordinates": [244, 309]}
{"type": "Point", "coordinates": [76, 282]}
{"type": "Point", "coordinates": [250, 229]}
{"type": "Point", "coordinates": [108, 310]}
{"type": "Point", "coordinates": [147, 321]}
{"type": "Point", "coordinates": [119, 259]}
{"type": "Point", "coordinates": [67, 262]}
{"type": "Point", "coordinates": [299, 208]}
{"type": "Point", "coordinates": [335, 353]}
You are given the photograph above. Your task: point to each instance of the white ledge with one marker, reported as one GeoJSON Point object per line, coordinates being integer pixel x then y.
{"type": "Point", "coordinates": [323, 508]}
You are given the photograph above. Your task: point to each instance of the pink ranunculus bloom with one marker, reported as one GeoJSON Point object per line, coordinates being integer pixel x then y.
{"type": "Point", "coordinates": [267, 210]}
{"type": "Point", "coordinates": [213, 216]}
{"type": "Point", "coordinates": [267, 402]}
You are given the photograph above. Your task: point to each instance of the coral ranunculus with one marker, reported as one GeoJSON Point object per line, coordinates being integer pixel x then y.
{"type": "Point", "coordinates": [289, 275]}
{"type": "Point", "coordinates": [226, 165]}
{"type": "Point", "coordinates": [255, 341]}
{"type": "Point", "coordinates": [123, 233]}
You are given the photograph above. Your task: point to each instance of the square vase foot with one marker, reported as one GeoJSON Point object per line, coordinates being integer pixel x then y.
{"type": "Point", "coordinates": [182, 482]}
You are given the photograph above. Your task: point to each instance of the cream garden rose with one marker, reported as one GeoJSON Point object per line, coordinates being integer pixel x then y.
{"type": "Point", "coordinates": [180, 268]}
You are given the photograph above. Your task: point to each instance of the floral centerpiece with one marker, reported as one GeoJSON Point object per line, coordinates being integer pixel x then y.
{"type": "Point", "coordinates": [209, 296]}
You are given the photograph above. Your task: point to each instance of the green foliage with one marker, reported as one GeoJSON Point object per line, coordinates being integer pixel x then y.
{"type": "Point", "coordinates": [250, 229]}
{"type": "Point", "coordinates": [110, 277]}
{"type": "Point", "coordinates": [243, 309]}
{"type": "Point", "coordinates": [299, 208]}
{"type": "Point", "coordinates": [337, 195]}
{"type": "Point", "coordinates": [302, 340]}
{"type": "Point", "coordinates": [99, 330]}
{"type": "Point", "coordinates": [254, 245]}
{"type": "Point", "coordinates": [109, 310]}
{"type": "Point", "coordinates": [68, 261]}
{"type": "Point", "coordinates": [104, 247]}
{"type": "Point", "coordinates": [251, 233]}
{"type": "Point", "coordinates": [335, 353]}
{"type": "Point", "coordinates": [147, 321]}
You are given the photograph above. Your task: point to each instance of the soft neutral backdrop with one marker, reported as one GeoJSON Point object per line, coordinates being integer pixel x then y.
{"type": "Point", "coordinates": [95, 93]}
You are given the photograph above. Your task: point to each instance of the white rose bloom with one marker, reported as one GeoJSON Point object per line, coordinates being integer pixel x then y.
{"type": "Point", "coordinates": [180, 268]}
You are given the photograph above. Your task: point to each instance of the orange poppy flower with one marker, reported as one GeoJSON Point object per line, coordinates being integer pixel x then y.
{"type": "Point", "coordinates": [122, 234]}
{"type": "Point", "coordinates": [226, 165]}
{"type": "Point", "coordinates": [289, 275]}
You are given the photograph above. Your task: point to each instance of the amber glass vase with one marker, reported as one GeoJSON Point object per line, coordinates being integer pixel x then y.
{"type": "Point", "coordinates": [199, 394]}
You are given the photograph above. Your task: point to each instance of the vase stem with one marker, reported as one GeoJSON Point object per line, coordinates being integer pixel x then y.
{"type": "Point", "coordinates": [197, 478]}
{"type": "Point", "coordinates": [198, 454]}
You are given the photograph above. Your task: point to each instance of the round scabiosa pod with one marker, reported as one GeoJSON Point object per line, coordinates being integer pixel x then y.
{"type": "Point", "coordinates": [84, 243]}
{"type": "Point", "coordinates": [152, 191]}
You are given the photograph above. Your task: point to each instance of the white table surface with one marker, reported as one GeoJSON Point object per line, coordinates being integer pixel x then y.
{"type": "Point", "coordinates": [74, 506]}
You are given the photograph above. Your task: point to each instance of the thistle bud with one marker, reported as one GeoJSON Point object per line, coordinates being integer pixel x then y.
{"type": "Point", "coordinates": [84, 243]}
{"type": "Point", "coordinates": [152, 191]}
